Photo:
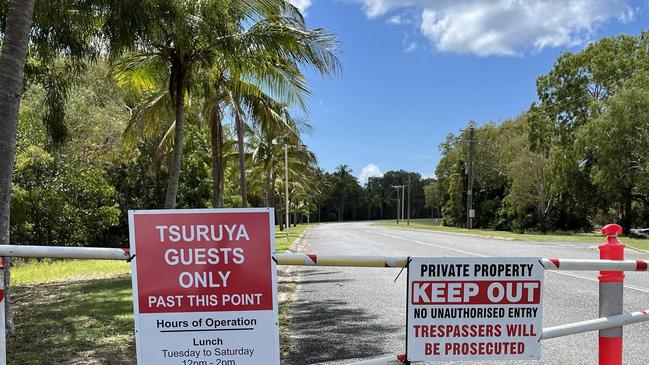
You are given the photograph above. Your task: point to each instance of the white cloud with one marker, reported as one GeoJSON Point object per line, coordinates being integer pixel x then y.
{"type": "Point", "coordinates": [506, 27]}
{"type": "Point", "coordinates": [368, 171]}
{"type": "Point", "coordinates": [301, 4]}
{"type": "Point", "coordinates": [411, 46]}
{"type": "Point", "coordinates": [627, 16]}
{"type": "Point", "coordinates": [396, 19]}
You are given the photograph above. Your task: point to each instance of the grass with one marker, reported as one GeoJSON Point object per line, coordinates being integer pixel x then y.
{"type": "Point", "coordinates": [74, 322]}
{"type": "Point", "coordinates": [282, 243]}
{"type": "Point", "coordinates": [80, 311]}
{"type": "Point", "coordinates": [67, 270]}
{"type": "Point", "coordinates": [591, 238]}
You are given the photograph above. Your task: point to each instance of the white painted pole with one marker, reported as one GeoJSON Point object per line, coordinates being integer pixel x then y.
{"type": "Point", "coordinates": [595, 324]}
{"type": "Point", "coordinates": [595, 265]}
{"type": "Point", "coordinates": [305, 259]}
{"type": "Point", "coordinates": [339, 260]}
{"type": "Point", "coordinates": [96, 253]}
{"type": "Point", "coordinates": [399, 261]}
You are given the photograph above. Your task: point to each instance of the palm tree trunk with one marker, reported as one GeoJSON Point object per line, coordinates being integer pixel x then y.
{"type": "Point", "coordinates": [242, 161]}
{"type": "Point", "coordinates": [12, 65]}
{"type": "Point", "coordinates": [179, 131]}
{"type": "Point", "coordinates": [216, 138]}
{"type": "Point", "coordinates": [267, 189]}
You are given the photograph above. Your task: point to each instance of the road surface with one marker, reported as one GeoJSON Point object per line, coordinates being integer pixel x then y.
{"type": "Point", "coordinates": [340, 315]}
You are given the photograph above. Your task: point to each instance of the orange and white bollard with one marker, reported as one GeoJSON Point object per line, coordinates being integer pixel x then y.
{"type": "Point", "coordinates": [611, 297]}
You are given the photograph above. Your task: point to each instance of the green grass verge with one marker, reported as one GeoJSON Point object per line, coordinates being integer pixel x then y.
{"type": "Point", "coordinates": [67, 270]}
{"type": "Point", "coordinates": [591, 238]}
{"type": "Point", "coordinates": [80, 311]}
{"type": "Point", "coordinates": [74, 322]}
{"type": "Point", "coordinates": [282, 243]}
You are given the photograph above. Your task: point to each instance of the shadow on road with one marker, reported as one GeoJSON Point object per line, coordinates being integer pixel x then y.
{"type": "Point", "coordinates": [326, 331]}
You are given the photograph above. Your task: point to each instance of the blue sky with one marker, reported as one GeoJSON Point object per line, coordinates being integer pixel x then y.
{"type": "Point", "coordinates": [414, 73]}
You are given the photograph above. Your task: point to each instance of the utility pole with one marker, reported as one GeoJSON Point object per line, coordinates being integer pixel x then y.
{"type": "Point", "coordinates": [403, 202]}
{"type": "Point", "coordinates": [408, 199]}
{"type": "Point", "coordinates": [469, 193]}
{"type": "Point", "coordinates": [398, 203]}
{"type": "Point", "coordinates": [288, 223]}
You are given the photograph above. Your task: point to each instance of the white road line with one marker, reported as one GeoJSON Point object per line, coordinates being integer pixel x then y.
{"type": "Point", "coordinates": [432, 245]}
{"type": "Point", "coordinates": [628, 286]}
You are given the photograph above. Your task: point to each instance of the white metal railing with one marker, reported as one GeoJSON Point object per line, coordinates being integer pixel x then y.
{"type": "Point", "coordinates": [92, 253]}
{"type": "Point", "coordinates": [595, 324]}
{"type": "Point", "coordinates": [304, 259]}
{"type": "Point", "coordinates": [548, 333]}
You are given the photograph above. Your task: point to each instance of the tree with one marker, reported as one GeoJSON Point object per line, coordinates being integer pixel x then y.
{"type": "Point", "coordinates": [617, 142]}
{"type": "Point", "coordinates": [530, 188]}
{"type": "Point", "coordinates": [12, 65]}
{"type": "Point", "coordinates": [572, 94]}
{"type": "Point", "coordinates": [344, 184]}
{"type": "Point", "coordinates": [434, 198]}
{"type": "Point", "coordinates": [263, 68]}
{"type": "Point", "coordinates": [243, 67]}
{"type": "Point", "coordinates": [60, 205]}
{"type": "Point", "coordinates": [171, 41]}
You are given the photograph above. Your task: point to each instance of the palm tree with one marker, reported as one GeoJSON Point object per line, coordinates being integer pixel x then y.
{"type": "Point", "coordinates": [344, 183]}
{"type": "Point", "coordinates": [242, 64]}
{"type": "Point", "coordinates": [262, 69]}
{"type": "Point", "coordinates": [12, 65]}
{"type": "Point", "coordinates": [170, 41]}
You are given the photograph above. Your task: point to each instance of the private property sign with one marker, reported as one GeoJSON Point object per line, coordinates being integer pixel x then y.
{"type": "Point", "coordinates": [474, 309]}
{"type": "Point", "coordinates": [204, 287]}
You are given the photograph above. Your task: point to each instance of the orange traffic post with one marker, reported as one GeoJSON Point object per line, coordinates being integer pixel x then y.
{"type": "Point", "coordinates": [611, 297]}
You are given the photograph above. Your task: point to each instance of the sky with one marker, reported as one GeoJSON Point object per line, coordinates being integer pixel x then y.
{"type": "Point", "coordinates": [414, 71]}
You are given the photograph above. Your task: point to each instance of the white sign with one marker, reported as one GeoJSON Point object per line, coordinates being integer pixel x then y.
{"type": "Point", "coordinates": [471, 213]}
{"type": "Point", "coordinates": [474, 308]}
{"type": "Point", "coordinates": [204, 287]}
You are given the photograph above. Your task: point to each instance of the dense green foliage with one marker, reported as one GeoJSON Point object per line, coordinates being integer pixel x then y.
{"type": "Point", "coordinates": [139, 105]}
{"type": "Point", "coordinates": [576, 159]}
{"type": "Point", "coordinates": [114, 102]}
{"type": "Point", "coordinates": [343, 198]}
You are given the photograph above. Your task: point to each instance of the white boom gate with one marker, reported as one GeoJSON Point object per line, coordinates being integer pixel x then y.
{"type": "Point", "coordinates": [605, 266]}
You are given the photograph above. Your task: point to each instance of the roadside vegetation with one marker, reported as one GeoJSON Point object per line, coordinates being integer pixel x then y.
{"type": "Point", "coordinates": [592, 238]}
{"type": "Point", "coordinates": [553, 168]}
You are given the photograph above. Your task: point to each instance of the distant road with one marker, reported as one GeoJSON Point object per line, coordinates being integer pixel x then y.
{"type": "Point", "coordinates": [345, 314]}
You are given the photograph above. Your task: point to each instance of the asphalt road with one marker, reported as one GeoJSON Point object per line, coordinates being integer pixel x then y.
{"type": "Point", "coordinates": [341, 315]}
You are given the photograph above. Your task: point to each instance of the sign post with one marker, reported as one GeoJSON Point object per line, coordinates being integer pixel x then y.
{"type": "Point", "coordinates": [474, 309]}
{"type": "Point", "coordinates": [204, 287]}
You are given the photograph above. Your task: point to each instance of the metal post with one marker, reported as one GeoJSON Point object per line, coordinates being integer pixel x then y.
{"type": "Point", "coordinates": [398, 203]}
{"type": "Point", "coordinates": [403, 203]}
{"type": "Point", "coordinates": [408, 199]}
{"type": "Point", "coordinates": [287, 223]}
{"type": "Point", "coordinates": [469, 192]}
{"type": "Point", "coordinates": [611, 297]}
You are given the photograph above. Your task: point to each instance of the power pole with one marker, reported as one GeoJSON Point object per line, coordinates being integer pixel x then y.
{"type": "Point", "coordinates": [403, 202]}
{"type": "Point", "coordinates": [398, 203]}
{"type": "Point", "coordinates": [469, 193]}
{"type": "Point", "coordinates": [408, 199]}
